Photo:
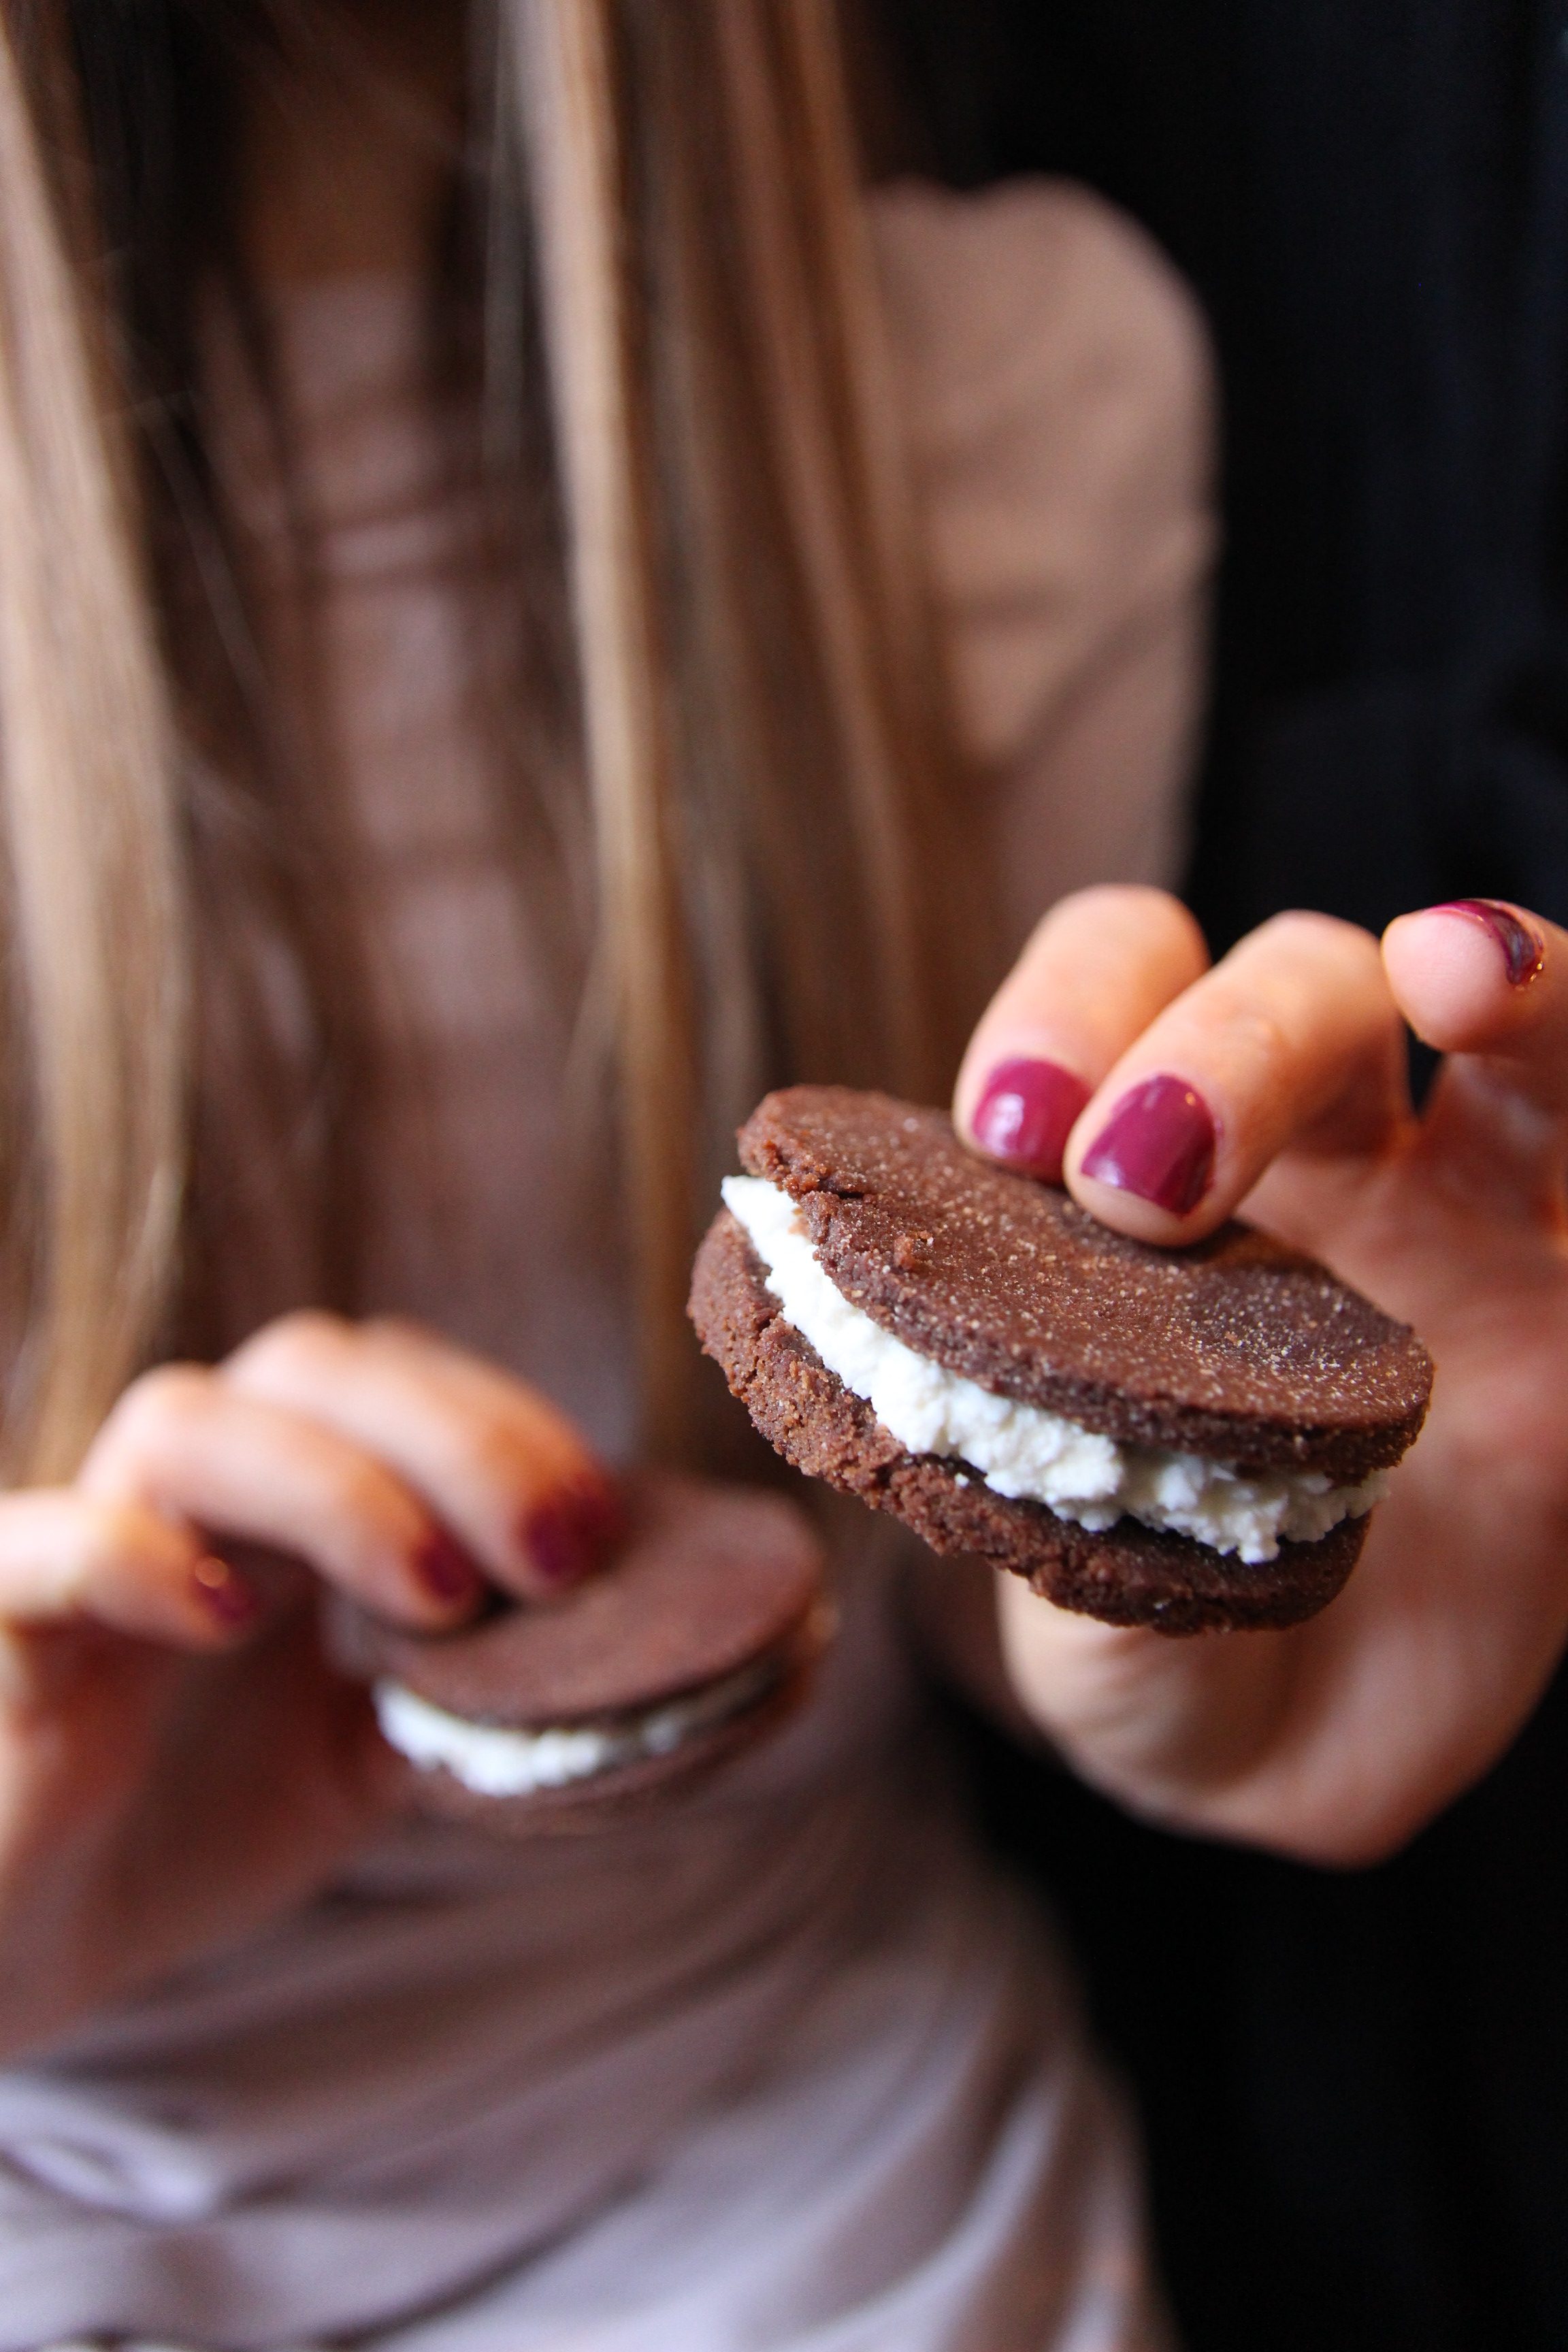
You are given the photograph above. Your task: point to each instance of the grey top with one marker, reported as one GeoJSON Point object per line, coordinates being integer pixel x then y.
{"type": "Point", "coordinates": [787, 2066]}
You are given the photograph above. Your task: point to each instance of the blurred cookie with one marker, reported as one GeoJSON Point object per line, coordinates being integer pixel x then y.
{"type": "Point", "coordinates": [698, 1636]}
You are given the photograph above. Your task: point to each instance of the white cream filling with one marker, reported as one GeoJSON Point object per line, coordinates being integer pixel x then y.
{"type": "Point", "coordinates": [496, 1762]}
{"type": "Point", "coordinates": [1019, 1450]}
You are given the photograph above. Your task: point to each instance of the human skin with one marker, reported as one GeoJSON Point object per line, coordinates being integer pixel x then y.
{"type": "Point", "coordinates": [178, 1760]}
{"type": "Point", "coordinates": [1336, 1740]}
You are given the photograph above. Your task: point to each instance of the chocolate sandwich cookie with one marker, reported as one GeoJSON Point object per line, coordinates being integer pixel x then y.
{"type": "Point", "coordinates": [1186, 1438]}
{"type": "Point", "coordinates": [696, 1637]}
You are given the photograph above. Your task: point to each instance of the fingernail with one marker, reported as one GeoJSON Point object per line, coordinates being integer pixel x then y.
{"type": "Point", "coordinates": [445, 1569]}
{"type": "Point", "coordinates": [224, 1592]}
{"type": "Point", "coordinates": [1523, 949]}
{"type": "Point", "coordinates": [1158, 1143]}
{"type": "Point", "coordinates": [567, 1537]}
{"type": "Point", "coordinates": [1026, 1113]}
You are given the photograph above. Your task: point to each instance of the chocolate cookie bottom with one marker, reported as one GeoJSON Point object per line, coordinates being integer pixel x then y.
{"type": "Point", "coordinates": [701, 1635]}
{"type": "Point", "coordinates": [1127, 1575]}
{"type": "Point", "coordinates": [600, 1800]}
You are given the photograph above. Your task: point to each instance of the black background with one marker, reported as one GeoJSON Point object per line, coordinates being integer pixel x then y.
{"type": "Point", "coordinates": [1354, 2087]}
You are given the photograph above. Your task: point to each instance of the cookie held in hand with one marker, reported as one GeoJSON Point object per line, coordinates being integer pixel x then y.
{"type": "Point", "coordinates": [698, 1637]}
{"type": "Point", "coordinates": [1183, 1439]}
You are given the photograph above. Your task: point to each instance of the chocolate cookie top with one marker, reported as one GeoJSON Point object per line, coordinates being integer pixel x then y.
{"type": "Point", "coordinates": [709, 1579]}
{"type": "Point", "coordinates": [1240, 1348]}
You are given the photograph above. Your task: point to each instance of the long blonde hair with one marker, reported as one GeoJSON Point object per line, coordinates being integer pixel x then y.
{"type": "Point", "coordinates": [784, 881]}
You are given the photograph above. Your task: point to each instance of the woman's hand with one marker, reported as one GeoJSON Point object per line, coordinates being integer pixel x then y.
{"type": "Point", "coordinates": [178, 1760]}
{"type": "Point", "coordinates": [1169, 1095]}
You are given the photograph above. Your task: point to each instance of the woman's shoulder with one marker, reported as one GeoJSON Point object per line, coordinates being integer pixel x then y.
{"type": "Point", "coordinates": [1054, 384]}
{"type": "Point", "coordinates": [1055, 391]}
{"type": "Point", "coordinates": [1037, 285]}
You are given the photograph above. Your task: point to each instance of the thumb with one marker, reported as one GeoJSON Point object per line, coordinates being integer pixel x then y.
{"type": "Point", "coordinates": [1487, 984]}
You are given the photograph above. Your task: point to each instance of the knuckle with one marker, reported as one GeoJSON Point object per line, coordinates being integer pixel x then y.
{"type": "Point", "coordinates": [1243, 1021]}
{"type": "Point", "coordinates": [1303, 931]}
{"type": "Point", "coordinates": [294, 1344]}
{"type": "Point", "coordinates": [1099, 898]}
{"type": "Point", "coordinates": [1160, 917]}
{"type": "Point", "coordinates": [157, 1403]}
{"type": "Point", "coordinates": [1262, 1038]}
{"type": "Point", "coordinates": [1135, 897]}
{"type": "Point", "coordinates": [1136, 913]}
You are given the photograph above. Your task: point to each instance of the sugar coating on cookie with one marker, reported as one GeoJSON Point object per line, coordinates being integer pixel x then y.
{"type": "Point", "coordinates": [1186, 1439]}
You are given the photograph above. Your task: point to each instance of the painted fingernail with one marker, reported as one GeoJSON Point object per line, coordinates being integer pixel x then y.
{"type": "Point", "coordinates": [567, 1536]}
{"type": "Point", "coordinates": [1026, 1113]}
{"type": "Point", "coordinates": [224, 1592]}
{"type": "Point", "coordinates": [445, 1569]}
{"type": "Point", "coordinates": [1523, 949]}
{"type": "Point", "coordinates": [1158, 1143]}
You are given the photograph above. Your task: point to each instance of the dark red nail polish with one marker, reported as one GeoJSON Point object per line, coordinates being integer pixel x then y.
{"type": "Point", "coordinates": [1159, 1143]}
{"type": "Point", "coordinates": [225, 1593]}
{"type": "Point", "coordinates": [1026, 1113]}
{"type": "Point", "coordinates": [445, 1569]}
{"type": "Point", "coordinates": [1523, 949]}
{"type": "Point", "coordinates": [567, 1536]}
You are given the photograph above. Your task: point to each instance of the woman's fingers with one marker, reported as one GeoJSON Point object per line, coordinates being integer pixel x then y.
{"type": "Point", "coordinates": [186, 1445]}
{"type": "Point", "coordinates": [491, 1458]}
{"type": "Point", "coordinates": [1294, 1038]}
{"type": "Point", "coordinates": [1480, 977]}
{"type": "Point", "coordinates": [1487, 984]}
{"type": "Point", "coordinates": [1161, 1091]}
{"type": "Point", "coordinates": [401, 1469]}
{"type": "Point", "coordinates": [66, 1556]}
{"type": "Point", "coordinates": [1097, 969]}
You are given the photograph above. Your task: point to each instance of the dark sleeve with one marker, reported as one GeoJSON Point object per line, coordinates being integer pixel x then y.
{"type": "Point", "coordinates": [1354, 2087]}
